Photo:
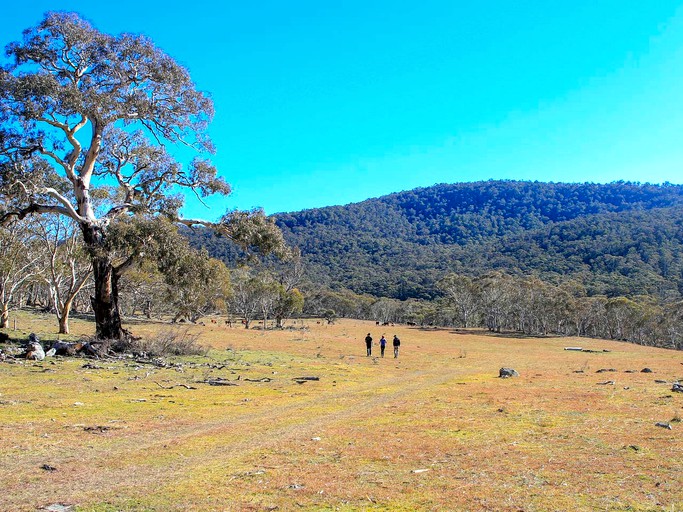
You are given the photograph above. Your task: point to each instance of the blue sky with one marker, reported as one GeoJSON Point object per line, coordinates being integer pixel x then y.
{"type": "Point", "coordinates": [329, 104]}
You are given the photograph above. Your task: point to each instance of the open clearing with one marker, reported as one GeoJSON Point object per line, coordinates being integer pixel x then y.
{"type": "Point", "coordinates": [435, 429]}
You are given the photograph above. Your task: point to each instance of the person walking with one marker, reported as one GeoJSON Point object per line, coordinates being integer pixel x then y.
{"type": "Point", "coordinates": [397, 343]}
{"type": "Point", "coordinates": [382, 344]}
{"type": "Point", "coordinates": [368, 344]}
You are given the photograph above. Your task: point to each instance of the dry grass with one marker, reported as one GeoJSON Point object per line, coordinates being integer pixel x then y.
{"type": "Point", "coordinates": [434, 430]}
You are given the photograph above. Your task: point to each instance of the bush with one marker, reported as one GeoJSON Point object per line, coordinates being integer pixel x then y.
{"type": "Point", "coordinates": [170, 342]}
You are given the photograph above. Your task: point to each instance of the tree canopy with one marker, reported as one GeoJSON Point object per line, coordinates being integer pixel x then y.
{"type": "Point", "coordinates": [86, 122]}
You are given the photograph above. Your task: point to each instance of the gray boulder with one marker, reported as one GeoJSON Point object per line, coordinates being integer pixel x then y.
{"type": "Point", "coordinates": [35, 352]}
{"type": "Point", "coordinates": [504, 373]}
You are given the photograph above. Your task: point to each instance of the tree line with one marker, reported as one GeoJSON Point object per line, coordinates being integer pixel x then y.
{"type": "Point", "coordinates": [44, 264]}
{"type": "Point", "coordinates": [502, 303]}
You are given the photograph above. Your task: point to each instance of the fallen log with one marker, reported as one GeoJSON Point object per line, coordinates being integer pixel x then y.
{"type": "Point", "coordinates": [174, 386]}
{"type": "Point", "coordinates": [217, 382]}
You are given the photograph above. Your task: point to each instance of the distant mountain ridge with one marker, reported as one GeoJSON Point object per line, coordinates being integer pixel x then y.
{"type": "Point", "coordinates": [619, 238]}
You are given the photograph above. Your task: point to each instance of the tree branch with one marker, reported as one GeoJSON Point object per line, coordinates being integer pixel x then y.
{"type": "Point", "coordinates": [120, 269]}
{"type": "Point", "coordinates": [70, 135]}
{"type": "Point", "coordinates": [57, 160]}
{"type": "Point", "coordinates": [197, 222]}
{"type": "Point", "coordinates": [120, 209]}
{"type": "Point", "coordinates": [63, 200]}
{"type": "Point", "coordinates": [39, 209]}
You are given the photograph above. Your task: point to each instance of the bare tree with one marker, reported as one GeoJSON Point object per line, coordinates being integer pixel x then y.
{"type": "Point", "coordinates": [384, 310]}
{"type": "Point", "coordinates": [268, 293]}
{"type": "Point", "coordinates": [463, 295]}
{"type": "Point", "coordinates": [19, 263]}
{"type": "Point", "coordinates": [67, 266]}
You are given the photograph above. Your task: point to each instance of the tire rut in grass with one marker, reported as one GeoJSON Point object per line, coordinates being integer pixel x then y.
{"type": "Point", "coordinates": [242, 435]}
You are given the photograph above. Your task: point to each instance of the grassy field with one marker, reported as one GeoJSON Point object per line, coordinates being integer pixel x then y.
{"type": "Point", "coordinates": [435, 429]}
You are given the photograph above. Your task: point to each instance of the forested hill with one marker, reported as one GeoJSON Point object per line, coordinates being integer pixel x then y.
{"type": "Point", "coordinates": [618, 238]}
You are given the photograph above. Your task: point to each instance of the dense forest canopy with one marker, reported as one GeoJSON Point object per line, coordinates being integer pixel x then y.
{"type": "Point", "coordinates": [617, 239]}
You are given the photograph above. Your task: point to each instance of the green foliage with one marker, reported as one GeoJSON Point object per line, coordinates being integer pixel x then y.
{"type": "Point", "coordinates": [330, 316]}
{"type": "Point", "coordinates": [539, 258]}
{"type": "Point", "coordinates": [201, 286]}
{"type": "Point", "coordinates": [253, 231]}
{"type": "Point", "coordinates": [614, 239]}
{"type": "Point", "coordinates": [188, 281]}
{"type": "Point", "coordinates": [287, 304]}
{"type": "Point", "coordinates": [526, 304]}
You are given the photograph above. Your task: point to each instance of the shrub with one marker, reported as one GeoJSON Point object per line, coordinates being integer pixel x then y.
{"type": "Point", "coordinates": [170, 342]}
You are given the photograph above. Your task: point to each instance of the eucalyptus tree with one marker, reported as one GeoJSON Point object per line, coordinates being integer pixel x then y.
{"type": "Point", "coordinates": [19, 264]}
{"type": "Point", "coordinates": [673, 325]}
{"type": "Point", "coordinates": [143, 290]}
{"type": "Point", "coordinates": [201, 286]}
{"type": "Point", "coordinates": [384, 310]}
{"type": "Point", "coordinates": [463, 294]}
{"type": "Point", "coordinates": [245, 298]}
{"type": "Point", "coordinates": [495, 292]}
{"type": "Point", "coordinates": [593, 315]}
{"type": "Point", "coordinates": [85, 120]}
{"type": "Point", "coordinates": [622, 314]}
{"type": "Point", "coordinates": [289, 300]}
{"type": "Point", "coordinates": [268, 294]}
{"type": "Point", "coordinates": [67, 267]}
{"type": "Point", "coordinates": [345, 303]}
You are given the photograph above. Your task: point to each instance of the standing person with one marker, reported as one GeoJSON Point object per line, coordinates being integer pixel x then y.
{"type": "Point", "coordinates": [382, 344]}
{"type": "Point", "coordinates": [368, 344]}
{"type": "Point", "coordinates": [397, 343]}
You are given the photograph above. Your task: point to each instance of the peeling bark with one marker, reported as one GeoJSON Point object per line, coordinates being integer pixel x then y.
{"type": "Point", "coordinates": [105, 301]}
{"type": "Point", "coordinates": [4, 316]}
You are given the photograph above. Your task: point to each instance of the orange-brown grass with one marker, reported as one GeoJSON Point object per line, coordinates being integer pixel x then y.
{"type": "Point", "coordinates": [435, 429]}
